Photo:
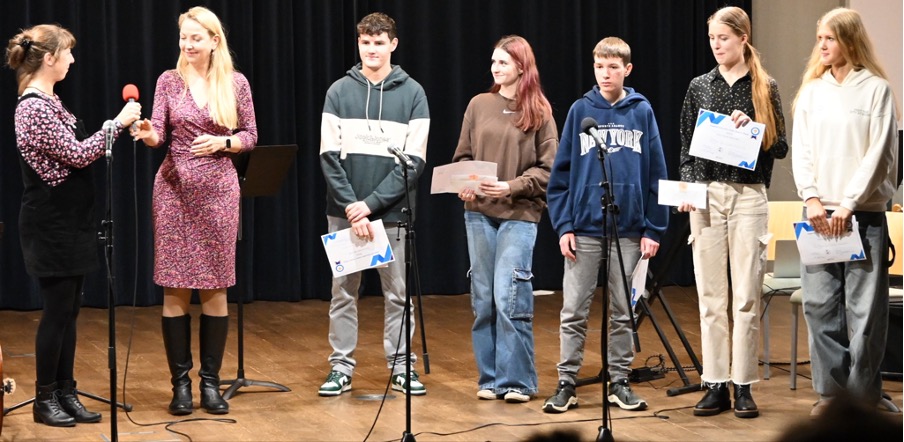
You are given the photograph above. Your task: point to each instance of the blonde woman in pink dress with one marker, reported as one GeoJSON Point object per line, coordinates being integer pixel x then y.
{"type": "Point", "coordinates": [204, 109]}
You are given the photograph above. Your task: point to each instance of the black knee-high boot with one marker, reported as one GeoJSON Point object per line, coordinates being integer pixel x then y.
{"type": "Point", "coordinates": [69, 401]}
{"type": "Point", "coordinates": [177, 341]}
{"type": "Point", "coordinates": [47, 408]}
{"type": "Point", "coordinates": [213, 343]}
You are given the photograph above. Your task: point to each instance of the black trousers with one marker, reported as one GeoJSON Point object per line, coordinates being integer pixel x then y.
{"type": "Point", "coordinates": [56, 336]}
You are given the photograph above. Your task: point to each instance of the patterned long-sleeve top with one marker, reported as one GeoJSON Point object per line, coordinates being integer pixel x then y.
{"type": "Point", "coordinates": [45, 135]}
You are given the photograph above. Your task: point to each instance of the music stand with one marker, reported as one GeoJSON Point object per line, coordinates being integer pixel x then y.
{"type": "Point", "coordinates": [261, 172]}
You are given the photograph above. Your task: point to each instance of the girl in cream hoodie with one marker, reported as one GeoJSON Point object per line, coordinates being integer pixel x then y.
{"type": "Point", "coordinates": [845, 164]}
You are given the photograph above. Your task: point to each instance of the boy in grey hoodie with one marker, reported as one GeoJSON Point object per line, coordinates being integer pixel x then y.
{"type": "Point", "coordinates": [374, 107]}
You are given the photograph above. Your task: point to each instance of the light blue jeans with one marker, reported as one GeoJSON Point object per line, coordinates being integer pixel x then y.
{"type": "Point", "coordinates": [502, 299]}
{"type": "Point", "coordinates": [846, 307]}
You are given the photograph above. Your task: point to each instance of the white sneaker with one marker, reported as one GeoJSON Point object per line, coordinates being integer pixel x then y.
{"type": "Point", "coordinates": [486, 395]}
{"type": "Point", "coordinates": [514, 397]}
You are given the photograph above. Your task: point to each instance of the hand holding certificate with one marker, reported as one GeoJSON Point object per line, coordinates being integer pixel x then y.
{"type": "Point", "coordinates": [818, 249]}
{"type": "Point", "coordinates": [674, 193]}
{"type": "Point", "coordinates": [717, 139]}
{"type": "Point", "coordinates": [638, 282]}
{"type": "Point", "coordinates": [349, 254]}
{"type": "Point", "coordinates": [455, 177]}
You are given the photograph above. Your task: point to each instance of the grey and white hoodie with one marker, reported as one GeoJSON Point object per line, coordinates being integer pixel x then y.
{"type": "Point", "coordinates": [360, 121]}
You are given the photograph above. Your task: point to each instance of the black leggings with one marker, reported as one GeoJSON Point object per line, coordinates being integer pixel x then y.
{"type": "Point", "coordinates": [55, 340]}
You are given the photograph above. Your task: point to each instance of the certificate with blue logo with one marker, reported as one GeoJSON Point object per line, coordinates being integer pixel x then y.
{"type": "Point", "coordinates": [818, 249]}
{"type": "Point", "coordinates": [717, 139]}
{"type": "Point", "coordinates": [349, 254]}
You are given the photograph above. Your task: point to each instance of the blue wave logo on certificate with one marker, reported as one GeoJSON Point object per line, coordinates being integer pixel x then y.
{"type": "Point", "coordinates": [717, 139]}
{"type": "Point", "coordinates": [328, 237]}
{"type": "Point", "coordinates": [713, 117]}
{"type": "Point", "coordinates": [380, 259]}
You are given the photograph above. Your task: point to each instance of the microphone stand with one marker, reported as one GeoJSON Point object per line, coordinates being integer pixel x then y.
{"type": "Point", "coordinates": [609, 207]}
{"type": "Point", "coordinates": [410, 276]}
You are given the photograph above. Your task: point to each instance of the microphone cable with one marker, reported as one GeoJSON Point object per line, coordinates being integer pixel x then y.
{"type": "Point", "coordinates": [398, 344]}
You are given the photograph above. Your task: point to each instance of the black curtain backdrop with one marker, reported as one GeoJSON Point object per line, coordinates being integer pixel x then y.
{"type": "Point", "coordinates": [291, 51]}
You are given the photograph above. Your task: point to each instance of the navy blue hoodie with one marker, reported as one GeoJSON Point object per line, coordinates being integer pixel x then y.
{"type": "Point", "coordinates": [634, 163]}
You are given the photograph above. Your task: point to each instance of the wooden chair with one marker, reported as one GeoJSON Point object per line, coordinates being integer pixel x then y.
{"type": "Point", "coordinates": [782, 216]}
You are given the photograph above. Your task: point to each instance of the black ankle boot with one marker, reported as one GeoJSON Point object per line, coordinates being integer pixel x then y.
{"type": "Point", "coordinates": [715, 401]}
{"type": "Point", "coordinates": [69, 401]}
{"type": "Point", "coordinates": [213, 343]}
{"type": "Point", "coordinates": [47, 409]}
{"type": "Point", "coordinates": [744, 406]}
{"type": "Point", "coordinates": [177, 341]}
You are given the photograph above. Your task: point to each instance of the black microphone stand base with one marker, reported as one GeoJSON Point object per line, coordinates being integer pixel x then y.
{"type": "Point", "coordinates": [407, 437]}
{"type": "Point", "coordinates": [240, 381]}
{"type": "Point", "coordinates": [605, 435]}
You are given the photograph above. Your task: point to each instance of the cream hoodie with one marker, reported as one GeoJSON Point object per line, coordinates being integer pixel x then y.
{"type": "Point", "coordinates": [844, 149]}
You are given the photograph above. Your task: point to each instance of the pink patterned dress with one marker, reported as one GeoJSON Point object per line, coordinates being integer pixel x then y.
{"type": "Point", "coordinates": [196, 198]}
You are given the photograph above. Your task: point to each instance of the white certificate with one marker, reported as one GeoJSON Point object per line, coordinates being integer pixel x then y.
{"type": "Point", "coordinates": [639, 282]}
{"type": "Point", "coordinates": [717, 139]}
{"type": "Point", "coordinates": [455, 177]}
{"type": "Point", "coordinates": [818, 249]}
{"type": "Point", "coordinates": [674, 193]}
{"type": "Point", "coordinates": [349, 254]}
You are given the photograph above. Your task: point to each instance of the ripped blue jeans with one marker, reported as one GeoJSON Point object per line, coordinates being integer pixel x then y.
{"type": "Point", "coordinates": [502, 300]}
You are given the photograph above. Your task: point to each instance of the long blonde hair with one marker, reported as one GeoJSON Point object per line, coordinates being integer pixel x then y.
{"type": "Point", "coordinates": [854, 42]}
{"type": "Point", "coordinates": [220, 89]}
{"type": "Point", "coordinates": [736, 19]}
{"type": "Point", "coordinates": [25, 51]}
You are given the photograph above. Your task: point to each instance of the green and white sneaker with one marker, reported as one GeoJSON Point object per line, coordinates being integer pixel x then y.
{"type": "Point", "coordinates": [399, 384]}
{"type": "Point", "coordinates": [336, 383]}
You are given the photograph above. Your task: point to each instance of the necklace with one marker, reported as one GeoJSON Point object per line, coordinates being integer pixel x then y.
{"type": "Point", "coordinates": [38, 89]}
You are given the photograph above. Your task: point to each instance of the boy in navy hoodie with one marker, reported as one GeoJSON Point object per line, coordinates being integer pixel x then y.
{"type": "Point", "coordinates": [634, 165]}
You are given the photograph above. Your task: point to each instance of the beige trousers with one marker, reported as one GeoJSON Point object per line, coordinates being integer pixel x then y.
{"type": "Point", "coordinates": [730, 238]}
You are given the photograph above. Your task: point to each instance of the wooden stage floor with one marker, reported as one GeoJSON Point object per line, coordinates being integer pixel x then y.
{"type": "Point", "coordinates": [287, 343]}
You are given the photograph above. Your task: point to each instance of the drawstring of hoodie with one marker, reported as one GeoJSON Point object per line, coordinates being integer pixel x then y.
{"type": "Point", "coordinates": [367, 107]}
{"type": "Point", "coordinates": [380, 114]}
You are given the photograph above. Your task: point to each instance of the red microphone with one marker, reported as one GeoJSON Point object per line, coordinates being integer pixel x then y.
{"type": "Point", "coordinates": [130, 93]}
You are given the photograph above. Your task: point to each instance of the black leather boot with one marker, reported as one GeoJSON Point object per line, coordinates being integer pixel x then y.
{"type": "Point", "coordinates": [744, 406]}
{"type": "Point", "coordinates": [177, 341]}
{"type": "Point", "coordinates": [47, 408]}
{"type": "Point", "coordinates": [715, 401]}
{"type": "Point", "coordinates": [213, 343]}
{"type": "Point", "coordinates": [69, 401]}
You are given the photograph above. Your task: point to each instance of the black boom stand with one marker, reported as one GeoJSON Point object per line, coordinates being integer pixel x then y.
{"type": "Point", "coordinates": [261, 172]}
{"type": "Point", "coordinates": [411, 280]}
{"type": "Point", "coordinates": [656, 292]}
